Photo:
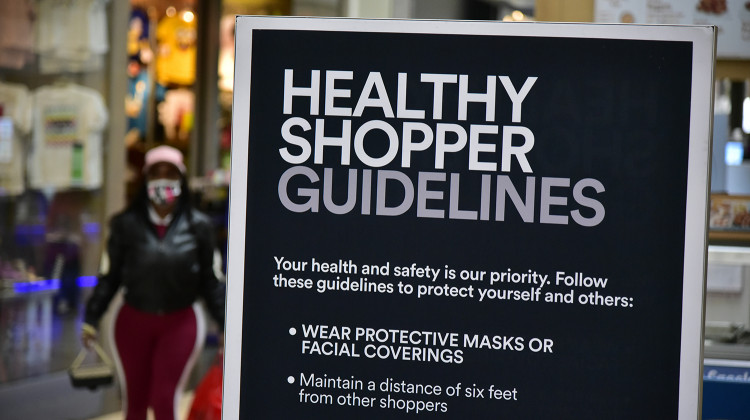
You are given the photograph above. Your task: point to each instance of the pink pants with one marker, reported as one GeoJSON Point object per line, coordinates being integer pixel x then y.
{"type": "Point", "coordinates": [155, 355]}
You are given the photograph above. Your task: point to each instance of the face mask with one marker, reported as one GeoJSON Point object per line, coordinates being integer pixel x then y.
{"type": "Point", "coordinates": [163, 191]}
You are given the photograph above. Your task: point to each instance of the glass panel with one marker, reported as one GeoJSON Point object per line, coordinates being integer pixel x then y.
{"type": "Point", "coordinates": [53, 123]}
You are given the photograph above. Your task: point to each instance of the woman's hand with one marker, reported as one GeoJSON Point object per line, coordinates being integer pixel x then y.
{"type": "Point", "coordinates": [88, 335]}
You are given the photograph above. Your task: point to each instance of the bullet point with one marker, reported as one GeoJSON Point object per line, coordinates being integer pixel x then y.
{"type": "Point", "coordinates": [290, 379]}
{"type": "Point", "coordinates": [292, 331]}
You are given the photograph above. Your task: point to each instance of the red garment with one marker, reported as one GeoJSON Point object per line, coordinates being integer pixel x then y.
{"type": "Point", "coordinates": [156, 353]}
{"type": "Point", "coordinates": [207, 399]}
{"type": "Point", "coordinates": [161, 230]}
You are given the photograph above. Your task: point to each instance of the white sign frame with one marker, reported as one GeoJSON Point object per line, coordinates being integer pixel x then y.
{"type": "Point", "coordinates": [701, 111]}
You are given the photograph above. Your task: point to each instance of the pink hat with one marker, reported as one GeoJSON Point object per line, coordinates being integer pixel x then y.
{"type": "Point", "coordinates": [166, 154]}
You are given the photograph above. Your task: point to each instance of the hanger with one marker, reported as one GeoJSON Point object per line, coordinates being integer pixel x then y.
{"type": "Point", "coordinates": [63, 80]}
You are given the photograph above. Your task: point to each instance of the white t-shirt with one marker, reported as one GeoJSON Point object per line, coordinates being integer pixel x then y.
{"type": "Point", "coordinates": [71, 35]}
{"type": "Point", "coordinates": [68, 121]}
{"type": "Point", "coordinates": [15, 124]}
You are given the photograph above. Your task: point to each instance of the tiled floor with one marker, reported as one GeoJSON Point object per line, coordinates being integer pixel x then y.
{"type": "Point", "coordinates": [184, 408]}
{"type": "Point", "coordinates": [37, 344]}
{"type": "Point", "coordinates": [35, 339]}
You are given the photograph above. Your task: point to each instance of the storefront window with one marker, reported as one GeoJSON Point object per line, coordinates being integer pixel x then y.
{"type": "Point", "coordinates": [727, 312]}
{"type": "Point", "coordinates": [161, 68]}
{"type": "Point", "coordinates": [54, 119]}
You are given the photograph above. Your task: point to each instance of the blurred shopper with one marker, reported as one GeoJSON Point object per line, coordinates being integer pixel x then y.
{"type": "Point", "coordinates": [161, 252]}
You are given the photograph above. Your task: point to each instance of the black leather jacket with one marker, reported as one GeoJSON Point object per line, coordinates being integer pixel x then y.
{"type": "Point", "coordinates": [159, 275]}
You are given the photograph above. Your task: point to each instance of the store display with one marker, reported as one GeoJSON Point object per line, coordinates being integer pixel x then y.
{"type": "Point", "coordinates": [71, 35]}
{"type": "Point", "coordinates": [729, 217]}
{"type": "Point", "coordinates": [68, 121]}
{"type": "Point", "coordinates": [160, 104]}
{"type": "Point", "coordinates": [15, 102]}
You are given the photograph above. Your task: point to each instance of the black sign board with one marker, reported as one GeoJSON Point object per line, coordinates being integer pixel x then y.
{"type": "Point", "coordinates": [467, 220]}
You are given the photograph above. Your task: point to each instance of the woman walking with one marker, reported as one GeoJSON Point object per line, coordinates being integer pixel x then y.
{"type": "Point", "coordinates": [161, 252]}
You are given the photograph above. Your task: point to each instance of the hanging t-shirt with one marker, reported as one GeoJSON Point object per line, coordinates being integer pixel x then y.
{"type": "Point", "coordinates": [175, 63]}
{"type": "Point", "coordinates": [68, 121]}
{"type": "Point", "coordinates": [15, 123]}
{"type": "Point", "coordinates": [177, 114]}
{"type": "Point", "coordinates": [71, 35]}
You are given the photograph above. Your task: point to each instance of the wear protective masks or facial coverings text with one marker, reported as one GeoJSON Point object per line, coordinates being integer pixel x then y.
{"type": "Point", "coordinates": [163, 191]}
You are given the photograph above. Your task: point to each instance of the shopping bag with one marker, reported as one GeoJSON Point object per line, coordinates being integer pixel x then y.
{"type": "Point", "coordinates": [207, 398]}
{"type": "Point", "coordinates": [91, 376]}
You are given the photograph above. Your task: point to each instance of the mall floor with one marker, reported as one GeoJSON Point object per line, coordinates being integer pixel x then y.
{"type": "Point", "coordinates": [38, 342]}
{"type": "Point", "coordinates": [184, 408]}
